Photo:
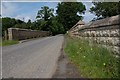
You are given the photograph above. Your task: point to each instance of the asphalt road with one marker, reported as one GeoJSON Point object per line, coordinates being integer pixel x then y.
{"type": "Point", "coordinates": [32, 59]}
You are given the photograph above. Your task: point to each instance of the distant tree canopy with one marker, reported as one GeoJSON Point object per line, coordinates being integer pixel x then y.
{"type": "Point", "coordinates": [43, 17]}
{"type": "Point", "coordinates": [105, 9]}
{"type": "Point", "coordinates": [56, 27]}
{"type": "Point", "coordinates": [8, 22]}
{"type": "Point", "coordinates": [15, 23]}
{"type": "Point", "coordinates": [48, 22]}
{"type": "Point", "coordinates": [45, 13]}
{"type": "Point", "coordinates": [29, 24]}
{"type": "Point", "coordinates": [69, 13]}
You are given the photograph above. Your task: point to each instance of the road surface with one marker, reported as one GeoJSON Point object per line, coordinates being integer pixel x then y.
{"type": "Point", "coordinates": [32, 59]}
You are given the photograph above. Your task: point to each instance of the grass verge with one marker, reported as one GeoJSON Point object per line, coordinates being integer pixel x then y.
{"type": "Point", "coordinates": [8, 42]}
{"type": "Point", "coordinates": [92, 61]}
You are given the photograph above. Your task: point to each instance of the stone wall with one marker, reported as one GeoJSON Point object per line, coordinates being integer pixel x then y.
{"type": "Point", "coordinates": [21, 34]}
{"type": "Point", "coordinates": [104, 32]}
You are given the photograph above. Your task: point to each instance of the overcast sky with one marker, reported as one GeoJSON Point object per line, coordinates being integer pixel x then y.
{"type": "Point", "coordinates": [28, 9]}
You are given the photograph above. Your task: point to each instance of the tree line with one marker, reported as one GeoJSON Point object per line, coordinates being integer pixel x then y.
{"type": "Point", "coordinates": [67, 15]}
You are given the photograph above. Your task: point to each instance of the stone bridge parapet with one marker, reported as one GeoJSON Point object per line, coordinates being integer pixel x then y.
{"type": "Point", "coordinates": [104, 31]}
{"type": "Point", "coordinates": [22, 34]}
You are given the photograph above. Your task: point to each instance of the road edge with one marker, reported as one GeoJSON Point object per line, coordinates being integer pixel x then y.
{"type": "Point", "coordinates": [60, 53]}
{"type": "Point", "coordinates": [71, 70]}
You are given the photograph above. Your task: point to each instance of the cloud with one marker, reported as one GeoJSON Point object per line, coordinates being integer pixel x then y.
{"type": "Point", "coordinates": [84, 0]}
{"type": "Point", "coordinates": [8, 9]}
{"type": "Point", "coordinates": [27, 11]}
{"type": "Point", "coordinates": [88, 16]}
{"type": "Point", "coordinates": [24, 10]}
{"type": "Point", "coordinates": [14, 10]}
{"type": "Point", "coordinates": [22, 17]}
{"type": "Point", "coordinates": [26, 17]}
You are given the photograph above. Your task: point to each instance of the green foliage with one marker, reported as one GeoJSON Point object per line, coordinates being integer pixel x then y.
{"type": "Point", "coordinates": [8, 23]}
{"type": "Point", "coordinates": [48, 22]}
{"type": "Point", "coordinates": [93, 61]}
{"type": "Point", "coordinates": [43, 24]}
{"type": "Point", "coordinates": [69, 13]}
{"type": "Point", "coordinates": [45, 13]}
{"type": "Point", "coordinates": [29, 24]}
{"type": "Point", "coordinates": [105, 9]}
{"type": "Point", "coordinates": [56, 27]}
{"type": "Point", "coordinates": [35, 26]}
{"type": "Point", "coordinates": [23, 25]}
{"type": "Point", "coordinates": [67, 16]}
{"type": "Point", "coordinates": [13, 23]}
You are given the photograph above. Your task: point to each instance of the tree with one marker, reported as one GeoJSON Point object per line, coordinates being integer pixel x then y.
{"type": "Point", "coordinates": [29, 24]}
{"type": "Point", "coordinates": [19, 21]}
{"type": "Point", "coordinates": [69, 13]}
{"type": "Point", "coordinates": [35, 26]}
{"type": "Point", "coordinates": [22, 25]}
{"type": "Point", "coordinates": [44, 16]}
{"type": "Point", "coordinates": [56, 27]}
{"type": "Point", "coordinates": [7, 23]}
{"type": "Point", "coordinates": [105, 9]}
{"type": "Point", "coordinates": [45, 13]}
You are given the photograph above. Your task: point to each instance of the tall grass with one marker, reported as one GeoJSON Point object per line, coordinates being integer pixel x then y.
{"type": "Point", "coordinates": [92, 61]}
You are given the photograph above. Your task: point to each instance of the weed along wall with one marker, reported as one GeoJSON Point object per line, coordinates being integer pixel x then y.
{"type": "Point", "coordinates": [104, 32]}
{"type": "Point", "coordinates": [21, 34]}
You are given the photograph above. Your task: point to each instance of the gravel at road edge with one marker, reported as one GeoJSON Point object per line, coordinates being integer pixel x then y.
{"type": "Point", "coordinates": [65, 69]}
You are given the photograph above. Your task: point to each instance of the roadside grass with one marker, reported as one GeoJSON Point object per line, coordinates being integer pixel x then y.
{"type": "Point", "coordinates": [8, 42]}
{"type": "Point", "coordinates": [92, 61]}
